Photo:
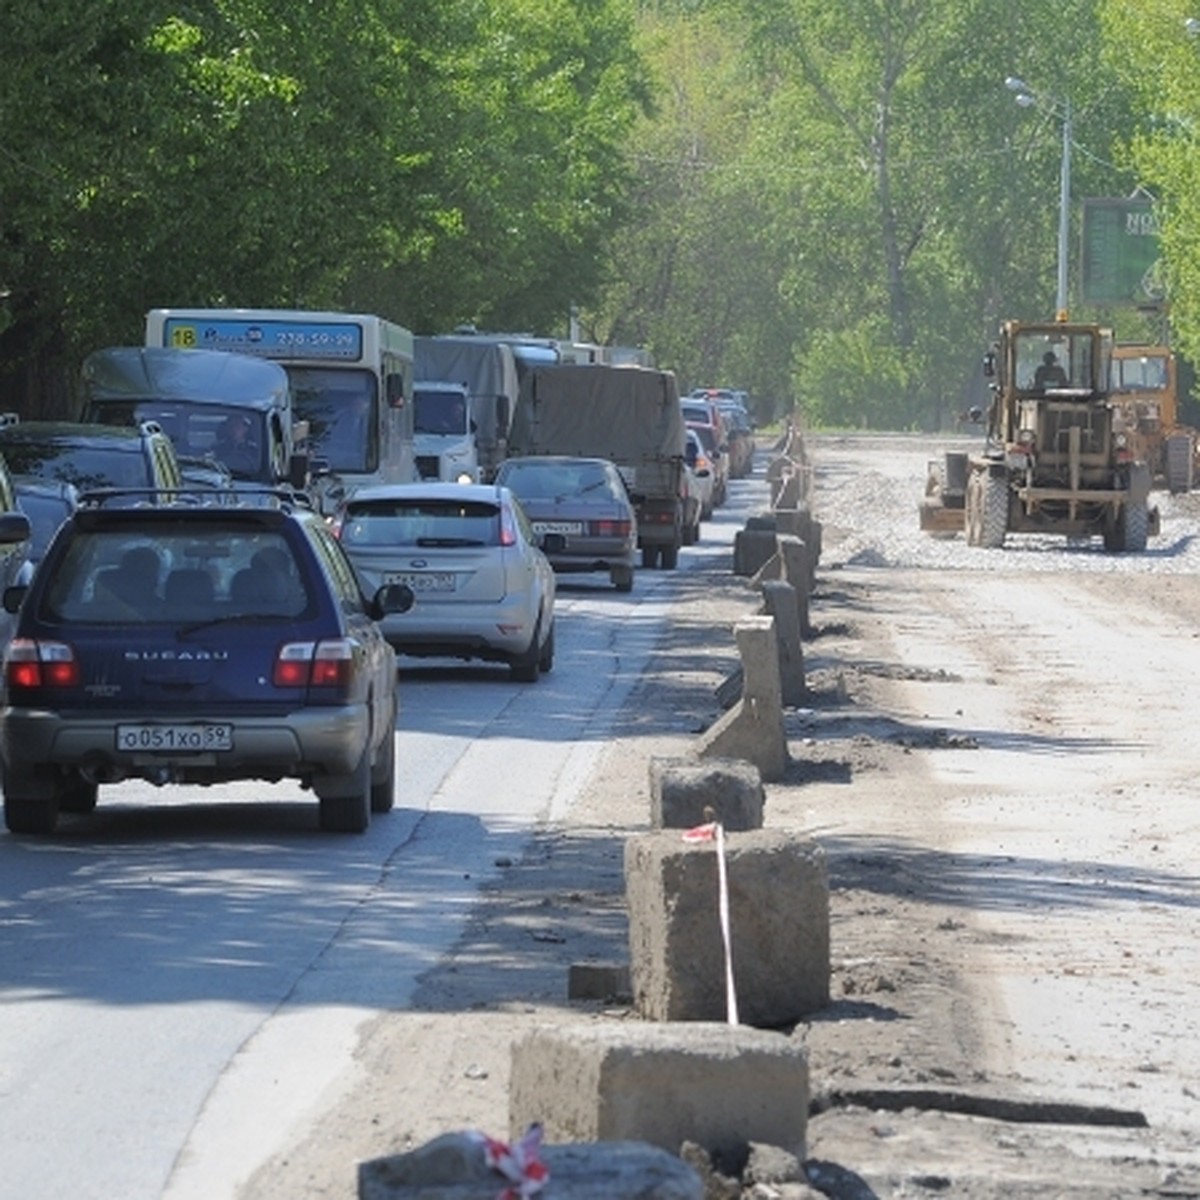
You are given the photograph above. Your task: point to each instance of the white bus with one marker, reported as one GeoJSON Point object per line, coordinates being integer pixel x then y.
{"type": "Point", "coordinates": [351, 379]}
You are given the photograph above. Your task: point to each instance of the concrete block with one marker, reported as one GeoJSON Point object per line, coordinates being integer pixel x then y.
{"type": "Point", "coordinates": [761, 521]}
{"type": "Point", "coordinates": [790, 491]}
{"type": "Point", "coordinates": [779, 927]}
{"type": "Point", "coordinates": [718, 1085]}
{"type": "Point", "coordinates": [752, 548]}
{"type": "Point", "coordinates": [778, 466]}
{"type": "Point", "coordinates": [781, 604]}
{"type": "Point", "coordinates": [753, 728]}
{"type": "Point", "coordinates": [771, 569]}
{"type": "Point", "coordinates": [605, 982]}
{"type": "Point", "coordinates": [685, 793]}
{"type": "Point", "coordinates": [798, 571]}
{"type": "Point", "coordinates": [454, 1167]}
{"type": "Point", "coordinates": [796, 521]}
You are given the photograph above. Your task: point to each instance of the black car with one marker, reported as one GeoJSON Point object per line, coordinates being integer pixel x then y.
{"type": "Point", "coordinates": [90, 456]}
{"type": "Point", "coordinates": [47, 505]}
{"type": "Point", "coordinates": [197, 643]}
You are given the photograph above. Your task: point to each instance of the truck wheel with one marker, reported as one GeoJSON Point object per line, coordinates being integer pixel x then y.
{"type": "Point", "coordinates": [1135, 525]}
{"type": "Point", "coordinates": [993, 511]}
{"type": "Point", "coordinates": [670, 557]}
{"type": "Point", "coordinates": [650, 557]}
{"type": "Point", "coordinates": [971, 504]}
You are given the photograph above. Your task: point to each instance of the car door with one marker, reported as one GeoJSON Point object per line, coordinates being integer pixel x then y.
{"type": "Point", "coordinates": [379, 659]}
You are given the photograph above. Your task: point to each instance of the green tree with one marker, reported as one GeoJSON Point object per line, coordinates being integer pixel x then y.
{"type": "Point", "coordinates": [424, 159]}
{"type": "Point", "coordinates": [1150, 51]}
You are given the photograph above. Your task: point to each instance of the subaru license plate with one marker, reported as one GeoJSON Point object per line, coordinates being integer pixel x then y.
{"type": "Point", "coordinates": [173, 738]}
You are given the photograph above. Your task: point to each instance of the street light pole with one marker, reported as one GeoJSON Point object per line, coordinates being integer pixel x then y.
{"type": "Point", "coordinates": [1026, 97]}
{"type": "Point", "coordinates": [1064, 213]}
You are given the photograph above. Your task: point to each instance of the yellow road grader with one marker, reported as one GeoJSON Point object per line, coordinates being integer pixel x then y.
{"type": "Point", "coordinates": [1057, 458]}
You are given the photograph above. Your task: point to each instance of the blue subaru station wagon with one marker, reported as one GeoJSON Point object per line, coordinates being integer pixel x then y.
{"type": "Point", "coordinates": [185, 642]}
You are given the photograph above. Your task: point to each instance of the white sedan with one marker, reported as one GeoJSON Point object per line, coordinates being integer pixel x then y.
{"type": "Point", "coordinates": [483, 587]}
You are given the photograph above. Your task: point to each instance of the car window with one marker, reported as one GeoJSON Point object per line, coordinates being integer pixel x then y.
{"type": "Point", "coordinates": [340, 572]}
{"type": "Point", "coordinates": [46, 514]}
{"type": "Point", "coordinates": [341, 409]}
{"type": "Point", "coordinates": [404, 521]}
{"type": "Point", "coordinates": [83, 465]}
{"type": "Point", "coordinates": [194, 572]}
{"type": "Point", "coordinates": [530, 481]}
{"type": "Point", "coordinates": [697, 412]}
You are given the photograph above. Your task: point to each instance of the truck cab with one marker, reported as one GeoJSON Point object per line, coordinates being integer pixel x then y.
{"type": "Point", "coordinates": [444, 432]}
{"type": "Point", "coordinates": [214, 405]}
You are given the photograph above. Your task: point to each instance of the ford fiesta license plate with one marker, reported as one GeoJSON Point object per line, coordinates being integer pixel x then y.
{"type": "Point", "coordinates": [425, 581]}
{"type": "Point", "coordinates": [174, 739]}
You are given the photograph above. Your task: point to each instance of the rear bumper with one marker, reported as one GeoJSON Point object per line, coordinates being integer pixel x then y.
{"type": "Point", "coordinates": [293, 745]}
{"type": "Point", "coordinates": [437, 630]}
{"type": "Point", "coordinates": [599, 556]}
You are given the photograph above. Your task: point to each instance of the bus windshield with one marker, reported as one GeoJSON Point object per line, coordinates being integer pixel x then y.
{"type": "Point", "coordinates": [341, 408]}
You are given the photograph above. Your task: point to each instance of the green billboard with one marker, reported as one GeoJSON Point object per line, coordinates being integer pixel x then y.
{"type": "Point", "coordinates": [1120, 253]}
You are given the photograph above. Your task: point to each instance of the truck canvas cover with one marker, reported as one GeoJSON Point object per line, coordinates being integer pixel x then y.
{"type": "Point", "coordinates": [630, 415]}
{"type": "Point", "coordinates": [486, 369]}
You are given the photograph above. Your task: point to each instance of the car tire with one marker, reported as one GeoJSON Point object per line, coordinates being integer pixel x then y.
{"type": "Point", "coordinates": [650, 557]}
{"type": "Point", "coordinates": [524, 667]}
{"type": "Point", "coordinates": [546, 658]}
{"type": "Point", "coordinates": [78, 796]}
{"type": "Point", "coordinates": [383, 777]}
{"type": "Point", "coordinates": [31, 800]}
{"type": "Point", "coordinates": [622, 579]}
{"type": "Point", "coordinates": [345, 800]}
{"type": "Point", "coordinates": [670, 557]}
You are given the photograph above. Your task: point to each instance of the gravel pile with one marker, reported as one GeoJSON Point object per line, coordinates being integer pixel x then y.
{"type": "Point", "coordinates": [870, 518]}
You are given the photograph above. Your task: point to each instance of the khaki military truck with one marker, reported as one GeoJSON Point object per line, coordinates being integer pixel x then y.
{"type": "Point", "coordinates": [1056, 459]}
{"type": "Point", "coordinates": [1145, 396]}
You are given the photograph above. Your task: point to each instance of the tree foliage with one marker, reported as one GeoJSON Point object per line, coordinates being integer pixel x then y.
{"type": "Point", "coordinates": [833, 203]}
{"type": "Point", "coordinates": [899, 203]}
{"type": "Point", "coordinates": [429, 160]}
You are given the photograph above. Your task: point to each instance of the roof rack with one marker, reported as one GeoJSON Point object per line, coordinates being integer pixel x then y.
{"type": "Point", "coordinates": [192, 495]}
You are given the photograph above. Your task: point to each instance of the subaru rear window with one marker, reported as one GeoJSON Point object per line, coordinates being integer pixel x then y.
{"type": "Point", "coordinates": [421, 522]}
{"type": "Point", "coordinates": [116, 576]}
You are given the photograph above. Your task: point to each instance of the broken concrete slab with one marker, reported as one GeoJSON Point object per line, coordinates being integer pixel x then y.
{"type": "Point", "coordinates": [684, 793]}
{"type": "Point", "coordinates": [719, 1085]}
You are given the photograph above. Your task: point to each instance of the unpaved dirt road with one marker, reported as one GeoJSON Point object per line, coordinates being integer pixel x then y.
{"type": "Point", "coordinates": [999, 758]}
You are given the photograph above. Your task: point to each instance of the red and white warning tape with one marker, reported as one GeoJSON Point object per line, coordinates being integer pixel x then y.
{"type": "Point", "coordinates": [518, 1163]}
{"type": "Point", "coordinates": [715, 832]}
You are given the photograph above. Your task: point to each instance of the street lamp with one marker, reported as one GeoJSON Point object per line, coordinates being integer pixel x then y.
{"type": "Point", "coordinates": [1026, 97]}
